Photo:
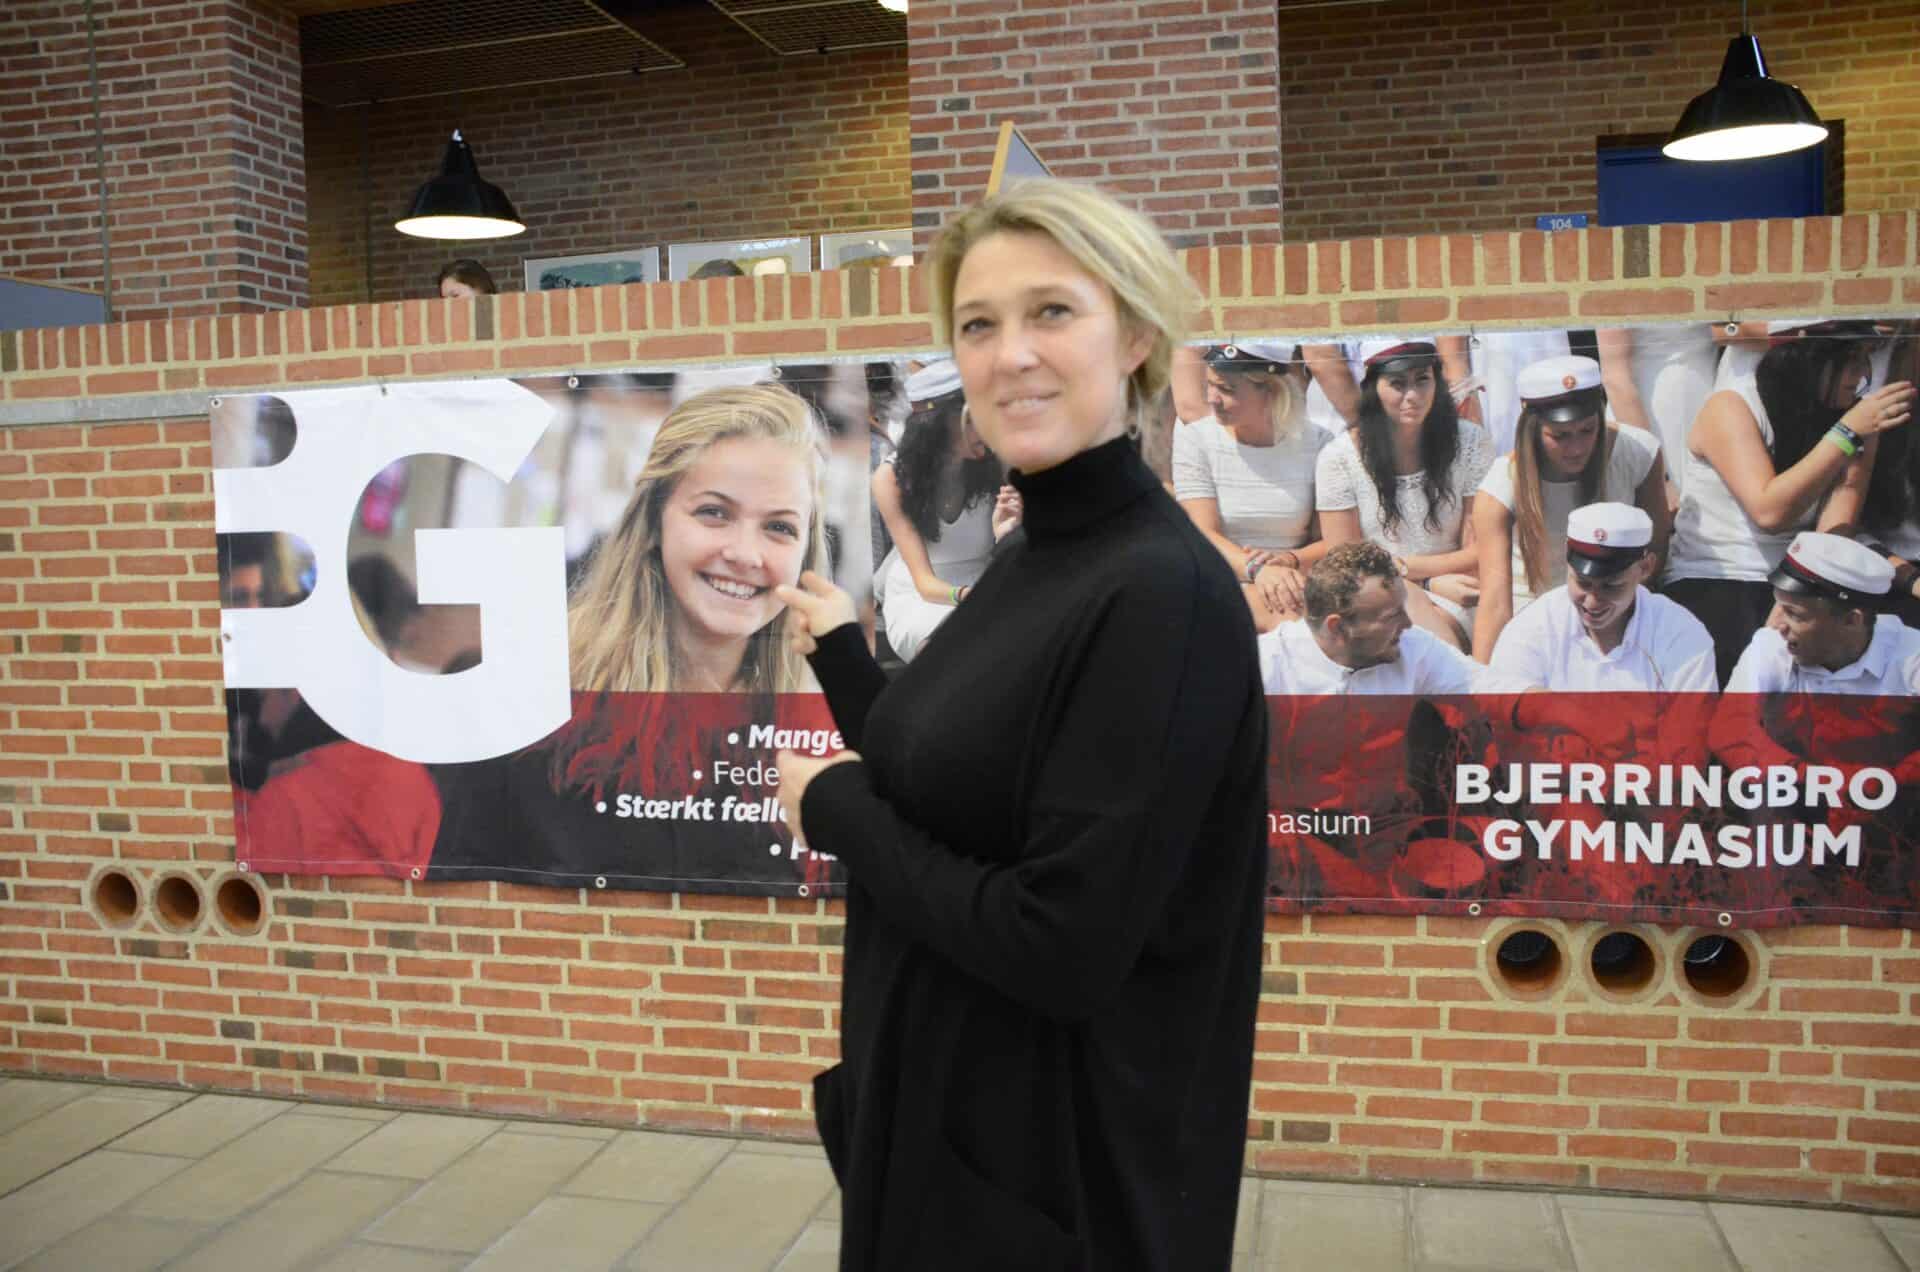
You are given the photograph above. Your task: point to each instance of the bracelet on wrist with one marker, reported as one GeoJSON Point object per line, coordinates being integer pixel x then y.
{"type": "Point", "coordinates": [1251, 570]}
{"type": "Point", "coordinates": [1840, 426]}
{"type": "Point", "coordinates": [1845, 439]}
{"type": "Point", "coordinates": [953, 595]}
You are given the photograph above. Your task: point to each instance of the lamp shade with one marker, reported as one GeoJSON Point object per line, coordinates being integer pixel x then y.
{"type": "Point", "coordinates": [457, 204]}
{"type": "Point", "coordinates": [1747, 115]}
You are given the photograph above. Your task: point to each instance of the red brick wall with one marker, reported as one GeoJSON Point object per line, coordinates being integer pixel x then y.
{"type": "Point", "coordinates": [1388, 1048]}
{"type": "Point", "coordinates": [742, 143]}
{"type": "Point", "coordinates": [199, 104]}
{"type": "Point", "coordinates": [1167, 103]}
{"type": "Point", "coordinates": [1421, 116]}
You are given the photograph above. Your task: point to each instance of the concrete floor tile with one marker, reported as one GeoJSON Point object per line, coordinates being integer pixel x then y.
{"type": "Point", "coordinates": [234, 1179]}
{"type": "Point", "coordinates": [1621, 1240]}
{"type": "Point", "coordinates": [58, 1136]}
{"type": "Point", "coordinates": [117, 1243]}
{"type": "Point", "coordinates": [706, 1230]}
{"type": "Point", "coordinates": [1641, 1205]}
{"type": "Point", "coordinates": [200, 1125]}
{"type": "Point", "coordinates": [415, 1145]}
{"type": "Point", "coordinates": [1487, 1231]}
{"type": "Point", "coordinates": [23, 1099]}
{"type": "Point", "coordinates": [319, 1212]}
{"type": "Point", "coordinates": [1246, 1217]}
{"type": "Point", "coordinates": [648, 1166]}
{"type": "Point", "coordinates": [817, 1250]}
{"type": "Point", "coordinates": [570, 1234]}
{"type": "Point", "coordinates": [1784, 1239]}
{"type": "Point", "coordinates": [469, 1204]}
{"type": "Point", "coordinates": [58, 1205]}
{"type": "Point", "coordinates": [781, 1148]}
{"type": "Point", "coordinates": [349, 1110]}
{"type": "Point", "coordinates": [1904, 1236]}
{"type": "Point", "coordinates": [566, 1131]}
{"type": "Point", "coordinates": [365, 1256]}
{"type": "Point", "coordinates": [829, 1211]}
{"type": "Point", "coordinates": [1350, 1228]}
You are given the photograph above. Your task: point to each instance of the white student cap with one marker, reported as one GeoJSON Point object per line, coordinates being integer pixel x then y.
{"type": "Point", "coordinates": [1605, 538]}
{"type": "Point", "coordinates": [1833, 566]}
{"type": "Point", "coordinates": [1562, 389]}
{"type": "Point", "coordinates": [1396, 355]}
{"type": "Point", "coordinates": [935, 380]}
{"type": "Point", "coordinates": [1270, 356]}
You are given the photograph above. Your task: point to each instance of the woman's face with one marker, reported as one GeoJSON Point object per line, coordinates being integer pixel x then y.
{"type": "Point", "coordinates": [1041, 350]}
{"type": "Point", "coordinates": [1566, 448]}
{"type": "Point", "coordinates": [1238, 401]}
{"type": "Point", "coordinates": [1407, 395]}
{"type": "Point", "coordinates": [452, 288]}
{"type": "Point", "coordinates": [734, 526]}
{"type": "Point", "coordinates": [967, 443]}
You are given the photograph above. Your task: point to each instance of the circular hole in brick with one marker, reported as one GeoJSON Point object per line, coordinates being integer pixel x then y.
{"type": "Point", "coordinates": [1716, 966]}
{"type": "Point", "coordinates": [1623, 963]}
{"type": "Point", "coordinates": [241, 904]}
{"type": "Point", "coordinates": [177, 902]}
{"type": "Point", "coordinates": [1527, 961]}
{"type": "Point", "coordinates": [116, 898]}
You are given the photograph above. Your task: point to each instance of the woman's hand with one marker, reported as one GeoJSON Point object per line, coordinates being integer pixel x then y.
{"type": "Point", "coordinates": [1462, 589]}
{"type": "Point", "coordinates": [820, 607]}
{"type": "Point", "coordinates": [1283, 588]}
{"type": "Point", "coordinates": [796, 771]}
{"type": "Point", "coordinates": [1007, 510]}
{"type": "Point", "coordinates": [1888, 406]}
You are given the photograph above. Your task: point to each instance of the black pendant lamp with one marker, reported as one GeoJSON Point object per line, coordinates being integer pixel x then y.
{"type": "Point", "coordinates": [1748, 114]}
{"type": "Point", "coordinates": [457, 204]}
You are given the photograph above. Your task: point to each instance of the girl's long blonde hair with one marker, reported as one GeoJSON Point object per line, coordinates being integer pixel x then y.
{"type": "Point", "coordinates": [1529, 492]}
{"type": "Point", "coordinates": [619, 617]}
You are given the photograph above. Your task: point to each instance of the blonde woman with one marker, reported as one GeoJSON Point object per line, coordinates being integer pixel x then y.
{"type": "Point", "coordinates": [1055, 835]}
{"type": "Point", "coordinates": [1244, 472]}
{"type": "Point", "coordinates": [680, 596]}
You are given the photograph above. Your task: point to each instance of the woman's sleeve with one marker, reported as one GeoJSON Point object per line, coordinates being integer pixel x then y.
{"type": "Point", "coordinates": [1162, 705]}
{"type": "Point", "coordinates": [849, 677]}
{"type": "Point", "coordinates": [1192, 479]}
{"type": "Point", "coordinates": [1332, 484]}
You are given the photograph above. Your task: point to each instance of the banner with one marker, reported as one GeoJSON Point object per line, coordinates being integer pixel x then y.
{"type": "Point", "coordinates": [524, 629]}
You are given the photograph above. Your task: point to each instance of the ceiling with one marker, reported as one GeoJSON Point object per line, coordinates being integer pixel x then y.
{"type": "Point", "coordinates": [354, 51]}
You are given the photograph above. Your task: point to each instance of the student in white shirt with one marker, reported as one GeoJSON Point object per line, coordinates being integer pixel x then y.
{"type": "Point", "coordinates": [1566, 454]}
{"type": "Point", "coordinates": [1357, 638]}
{"type": "Point", "coordinates": [1603, 631]}
{"type": "Point", "coordinates": [1245, 471]}
{"type": "Point", "coordinates": [1826, 633]}
{"type": "Point", "coordinates": [1761, 458]}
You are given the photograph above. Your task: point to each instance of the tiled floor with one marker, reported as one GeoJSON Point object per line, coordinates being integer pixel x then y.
{"type": "Point", "coordinates": [105, 1179]}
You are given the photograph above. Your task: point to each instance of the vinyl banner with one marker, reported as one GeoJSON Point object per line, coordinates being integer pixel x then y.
{"type": "Point", "coordinates": [1612, 624]}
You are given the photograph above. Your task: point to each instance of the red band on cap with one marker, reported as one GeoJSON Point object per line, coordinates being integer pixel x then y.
{"type": "Point", "coordinates": [1411, 348]}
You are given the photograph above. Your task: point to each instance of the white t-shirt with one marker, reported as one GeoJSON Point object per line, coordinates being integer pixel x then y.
{"type": "Point", "coordinates": [1664, 649]}
{"type": "Point", "coordinates": [1713, 538]}
{"type": "Point", "coordinates": [1628, 463]}
{"type": "Point", "coordinates": [1265, 493]}
{"type": "Point", "coordinates": [1889, 668]}
{"type": "Point", "coordinates": [1292, 662]}
{"type": "Point", "coordinates": [1341, 482]}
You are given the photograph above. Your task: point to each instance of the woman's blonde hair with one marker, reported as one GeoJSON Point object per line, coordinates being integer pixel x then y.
{"type": "Point", "coordinates": [619, 615]}
{"type": "Point", "coordinates": [1289, 400]}
{"type": "Point", "coordinates": [1116, 245]}
{"type": "Point", "coordinates": [1529, 492]}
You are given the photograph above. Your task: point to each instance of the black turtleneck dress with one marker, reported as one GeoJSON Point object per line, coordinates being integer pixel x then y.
{"type": "Point", "coordinates": [1055, 849]}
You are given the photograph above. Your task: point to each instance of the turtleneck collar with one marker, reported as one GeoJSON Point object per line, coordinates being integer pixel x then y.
{"type": "Point", "coordinates": [1071, 496]}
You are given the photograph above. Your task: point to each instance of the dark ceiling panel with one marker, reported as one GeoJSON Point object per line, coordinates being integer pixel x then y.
{"type": "Point", "coordinates": [817, 26]}
{"type": "Point", "coordinates": [428, 48]}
